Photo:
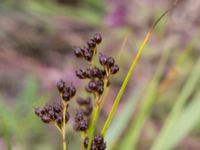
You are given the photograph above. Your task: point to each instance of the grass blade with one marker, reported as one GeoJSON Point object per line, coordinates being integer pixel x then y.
{"type": "Point", "coordinates": [173, 116]}
{"type": "Point", "coordinates": [130, 140]}
{"type": "Point", "coordinates": [184, 124]}
{"type": "Point", "coordinates": [132, 68]}
{"type": "Point", "coordinates": [120, 122]}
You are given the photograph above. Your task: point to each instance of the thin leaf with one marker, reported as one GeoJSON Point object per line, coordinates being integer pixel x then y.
{"type": "Point", "coordinates": [120, 122]}
{"type": "Point", "coordinates": [130, 140]}
{"type": "Point", "coordinates": [132, 68]}
{"type": "Point", "coordinates": [184, 95]}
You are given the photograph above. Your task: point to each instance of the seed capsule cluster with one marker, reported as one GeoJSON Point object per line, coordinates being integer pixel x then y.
{"type": "Point", "coordinates": [108, 63]}
{"type": "Point", "coordinates": [81, 122]}
{"type": "Point", "coordinates": [66, 92]}
{"type": "Point", "coordinates": [98, 80]}
{"type": "Point", "coordinates": [88, 51]}
{"type": "Point", "coordinates": [95, 74]}
{"type": "Point", "coordinates": [97, 143]}
{"type": "Point", "coordinates": [52, 113]}
{"type": "Point", "coordinates": [85, 105]}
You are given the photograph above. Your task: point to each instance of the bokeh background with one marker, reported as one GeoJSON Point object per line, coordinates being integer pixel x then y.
{"type": "Point", "coordinates": [37, 38]}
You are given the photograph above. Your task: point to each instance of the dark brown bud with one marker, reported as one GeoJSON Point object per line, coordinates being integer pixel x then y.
{"type": "Point", "coordinates": [59, 119]}
{"type": "Point", "coordinates": [47, 108]}
{"type": "Point", "coordinates": [80, 74]}
{"type": "Point", "coordinates": [72, 90]}
{"type": "Point", "coordinates": [39, 112]}
{"type": "Point", "coordinates": [83, 125]}
{"type": "Point", "coordinates": [88, 55]}
{"type": "Point", "coordinates": [66, 96]}
{"type": "Point", "coordinates": [100, 90]}
{"type": "Point", "coordinates": [61, 85]}
{"type": "Point", "coordinates": [98, 139]}
{"type": "Point", "coordinates": [91, 43]}
{"type": "Point", "coordinates": [79, 116]}
{"type": "Point", "coordinates": [102, 59]}
{"type": "Point", "coordinates": [92, 85]}
{"type": "Point", "coordinates": [51, 114]}
{"type": "Point", "coordinates": [98, 38]}
{"type": "Point", "coordinates": [78, 52]}
{"type": "Point", "coordinates": [110, 62]}
{"type": "Point", "coordinates": [88, 73]}
{"type": "Point", "coordinates": [86, 142]}
{"type": "Point", "coordinates": [57, 107]}
{"type": "Point", "coordinates": [46, 119]}
{"type": "Point", "coordinates": [114, 69]}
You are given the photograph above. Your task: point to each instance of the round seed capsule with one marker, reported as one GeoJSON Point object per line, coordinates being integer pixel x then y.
{"type": "Point", "coordinates": [60, 85]}
{"type": "Point", "coordinates": [114, 69]}
{"type": "Point", "coordinates": [98, 38]}
{"type": "Point", "coordinates": [110, 61]}
{"type": "Point", "coordinates": [46, 119]}
{"type": "Point", "coordinates": [78, 52]}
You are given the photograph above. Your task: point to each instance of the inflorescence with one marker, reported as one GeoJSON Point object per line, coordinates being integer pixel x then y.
{"type": "Point", "coordinates": [98, 80]}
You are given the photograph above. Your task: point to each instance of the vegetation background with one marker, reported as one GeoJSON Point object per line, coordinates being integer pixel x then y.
{"type": "Point", "coordinates": [160, 108]}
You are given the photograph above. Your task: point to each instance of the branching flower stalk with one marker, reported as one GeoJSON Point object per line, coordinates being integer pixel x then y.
{"type": "Point", "coordinates": [57, 113]}
{"type": "Point", "coordinates": [99, 81]}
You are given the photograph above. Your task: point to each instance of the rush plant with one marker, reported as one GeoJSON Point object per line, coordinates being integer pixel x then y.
{"type": "Point", "coordinates": [89, 108]}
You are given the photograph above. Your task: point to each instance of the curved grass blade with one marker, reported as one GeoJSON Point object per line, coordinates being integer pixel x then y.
{"type": "Point", "coordinates": [130, 140]}
{"type": "Point", "coordinates": [187, 120]}
{"type": "Point", "coordinates": [174, 114]}
{"type": "Point", "coordinates": [132, 68]}
{"type": "Point", "coordinates": [121, 121]}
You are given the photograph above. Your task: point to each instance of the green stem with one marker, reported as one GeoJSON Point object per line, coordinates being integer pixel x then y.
{"type": "Point", "coordinates": [132, 68]}
{"type": "Point", "coordinates": [92, 126]}
{"type": "Point", "coordinates": [121, 91]}
{"type": "Point", "coordinates": [63, 128]}
{"type": "Point", "coordinates": [97, 110]}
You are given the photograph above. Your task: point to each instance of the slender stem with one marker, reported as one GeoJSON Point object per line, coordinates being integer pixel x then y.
{"type": "Point", "coordinates": [95, 117]}
{"type": "Point", "coordinates": [97, 110]}
{"type": "Point", "coordinates": [121, 91]}
{"type": "Point", "coordinates": [63, 128]}
{"type": "Point", "coordinates": [55, 124]}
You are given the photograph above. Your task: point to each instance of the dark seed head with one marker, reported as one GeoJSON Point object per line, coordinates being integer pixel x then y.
{"type": "Point", "coordinates": [66, 96]}
{"type": "Point", "coordinates": [78, 52]}
{"type": "Point", "coordinates": [80, 74]}
{"type": "Point", "coordinates": [102, 59]}
{"type": "Point", "coordinates": [110, 61]}
{"type": "Point", "coordinates": [72, 90]}
{"type": "Point", "coordinates": [114, 69]}
{"type": "Point", "coordinates": [100, 83]}
{"type": "Point", "coordinates": [61, 85]}
{"type": "Point", "coordinates": [57, 107]}
{"type": "Point", "coordinates": [59, 119]}
{"type": "Point", "coordinates": [86, 142]}
{"type": "Point", "coordinates": [91, 43]}
{"type": "Point", "coordinates": [83, 125]}
{"type": "Point", "coordinates": [88, 73]}
{"type": "Point", "coordinates": [39, 112]}
{"type": "Point", "coordinates": [79, 116]}
{"type": "Point", "coordinates": [88, 56]}
{"type": "Point", "coordinates": [46, 119]}
{"type": "Point", "coordinates": [51, 114]}
{"type": "Point", "coordinates": [100, 90]}
{"type": "Point", "coordinates": [98, 38]}
{"type": "Point", "coordinates": [47, 108]}
{"type": "Point", "coordinates": [92, 85]}
{"type": "Point", "coordinates": [98, 139]}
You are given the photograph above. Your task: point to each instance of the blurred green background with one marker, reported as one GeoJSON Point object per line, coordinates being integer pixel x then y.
{"type": "Point", "coordinates": [160, 109]}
